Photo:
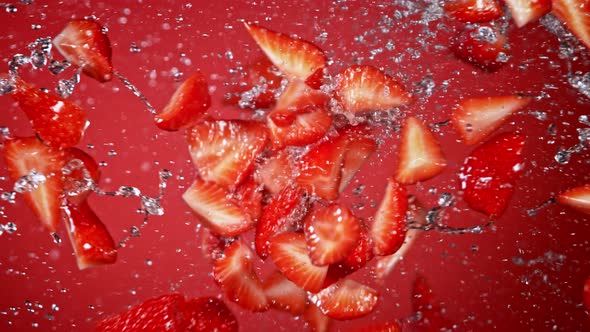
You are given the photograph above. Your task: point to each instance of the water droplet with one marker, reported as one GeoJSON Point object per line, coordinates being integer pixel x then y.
{"type": "Point", "coordinates": [6, 86]}
{"type": "Point", "coordinates": [8, 196]}
{"type": "Point", "coordinates": [446, 200]}
{"type": "Point", "coordinates": [128, 192]}
{"type": "Point", "coordinates": [133, 48]}
{"type": "Point", "coordinates": [56, 67]}
{"type": "Point", "coordinates": [152, 206]}
{"type": "Point", "coordinates": [38, 59]}
{"type": "Point", "coordinates": [29, 182]}
{"type": "Point", "coordinates": [56, 238]}
{"type": "Point", "coordinates": [11, 9]}
{"type": "Point", "coordinates": [148, 262]}
{"type": "Point", "coordinates": [134, 231]}
{"type": "Point", "coordinates": [484, 34]}
{"type": "Point", "coordinates": [54, 307]}
{"type": "Point", "coordinates": [562, 157]}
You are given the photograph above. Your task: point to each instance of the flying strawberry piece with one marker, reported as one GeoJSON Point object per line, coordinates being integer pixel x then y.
{"type": "Point", "coordinates": [36, 168]}
{"type": "Point", "coordinates": [575, 14]}
{"type": "Point", "coordinates": [429, 312]}
{"type": "Point", "coordinates": [187, 105]}
{"type": "Point", "coordinates": [210, 314]}
{"type": "Point", "coordinates": [216, 209]}
{"type": "Point", "coordinates": [331, 233]}
{"type": "Point", "coordinates": [577, 198]}
{"type": "Point", "coordinates": [476, 118]}
{"type": "Point", "coordinates": [586, 294]}
{"type": "Point", "coordinates": [357, 258]}
{"type": "Point", "coordinates": [392, 326]}
{"type": "Point", "coordinates": [225, 151]}
{"type": "Point", "coordinates": [85, 44]}
{"type": "Point", "coordinates": [279, 215]}
{"type": "Point", "coordinates": [58, 121]}
{"type": "Point", "coordinates": [275, 172]}
{"type": "Point", "coordinates": [483, 46]}
{"type": "Point", "coordinates": [289, 253]}
{"type": "Point", "coordinates": [92, 242]}
{"type": "Point", "coordinates": [261, 82]}
{"type": "Point", "coordinates": [525, 11]}
{"type": "Point", "coordinates": [489, 173]}
{"type": "Point", "coordinates": [473, 11]}
{"type": "Point", "coordinates": [249, 197]}
{"type": "Point", "coordinates": [296, 58]}
{"type": "Point", "coordinates": [234, 273]}
{"type": "Point", "coordinates": [346, 299]}
{"type": "Point", "coordinates": [315, 320]}
{"type": "Point", "coordinates": [213, 245]}
{"type": "Point", "coordinates": [83, 174]}
{"type": "Point", "coordinates": [365, 88]}
{"type": "Point", "coordinates": [420, 155]}
{"type": "Point", "coordinates": [284, 294]}
{"type": "Point", "coordinates": [360, 146]}
{"type": "Point", "coordinates": [388, 229]}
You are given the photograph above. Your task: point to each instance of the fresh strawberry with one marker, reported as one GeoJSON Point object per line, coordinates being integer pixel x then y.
{"type": "Point", "coordinates": [261, 82]}
{"type": "Point", "coordinates": [586, 295]}
{"type": "Point", "coordinates": [85, 44]}
{"type": "Point", "coordinates": [208, 314]}
{"type": "Point", "coordinates": [392, 326]}
{"type": "Point", "coordinates": [213, 245]}
{"type": "Point", "coordinates": [225, 151]}
{"type": "Point", "coordinates": [420, 155]}
{"type": "Point", "coordinates": [577, 198]}
{"type": "Point", "coordinates": [279, 215]}
{"type": "Point", "coordinates": [331, 233]}
{"type": "Point", "coordinates": [289, 253]}
{"type": "Point", "coordinates": [525, 11]}
{"type": "Point", "coordinates": [187, 105]}
{"type": "Point", "coordinates": [83, 173]}
{"type": "Point", "coordinates": [284, 294]}
{"type": "Point", "coordinates": [489, 173]}
{"type": "Point", "coordinates": [365, 88]}
{"type": "Point", "coordinates": [234, 273]}
{"type": "Point", "coordinates": [42, 190]}
{"type": "Point", "coordinates": [356, 259]}
{"type": "Point", "coordinates": [473, 11]}
{"type": "Point", "coordinates": [275, 172]}
{"type": "Point", "coordinates": [388, 229]}
{"type": "Point", "coordinates": [429, 312]}
{"type": "Point", "coordinates": [315, 320]}
{"type": "Point", "coordinates": [346, 299]}
{"type": "Point", "coordinates": [92, 242]}
{"type": "Point", "coordinates": [476, 118]}
{"type": "Point", "coordinates": [249, 197]}
{"type": "Point", "coordinates": [216, 209]}
{"type": "Point", "coordinates": [360, 146]}
{"type": "Point", "coordinates": [58, 121]}
{"type": "Point", "coordinates": [483, 46]}
{"type": "Point", "coordinates": [576, 16]}
{"type": "Point", "coordinates": [296, 58]}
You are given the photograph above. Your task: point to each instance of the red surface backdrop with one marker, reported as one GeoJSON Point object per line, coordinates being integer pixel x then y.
{"type": "Point", "coordinates": [475, 275]}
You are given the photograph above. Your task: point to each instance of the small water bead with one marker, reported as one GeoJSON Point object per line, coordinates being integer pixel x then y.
{"type": "Point", "coordinates": [581, 82]}
{"type": "Point", "coordinates": [65, 88]}
{"type": "Point", "coordinates": [16, 62]}
{"type": "Point", "coordinates": [485, 34]}
{"type": "Point", "coordinates": [35, 26]}
{"type": "Point", "coordinates": [56, 67]}
{"type": "Point", "coordinates": [152, 206]}
{"type": "Point", "coordinates": [134, 231]}
{"type": "Point", "coordinates": [584, 119]}
{"type": "Point", "coordinates": [128, 192]}
{"type": "Point", "coordinates": [133, 48]}
{"type": "Point", "coordinates": [446, 200]}
{"type": "Point", "coordinates": [56, 238]}
{"type": "Point", "coordinates": [8, 196]}
{"type": "Point", "coordinates": [38, 59]}
{"type": "Point", "coordinates": [9, 228]}
{"type": "Point", "coordinates": [54, 307]}
{"type": "Point", "coordinates": [11, 9]}
{"type": "Point", "coordinates": [6, 86]}
{"type": "Point", "coordinates": [148, 262]}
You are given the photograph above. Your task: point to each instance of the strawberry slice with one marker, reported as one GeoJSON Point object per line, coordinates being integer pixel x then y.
{"type": "Point", "coordinates": [483, 46]}
{"type": "Point", "coordinates": [296, 58]}
{"type": "Point", "coordinates": [284, 294]}
{"type": "Point", "coordinates": [213, 245]}
{"type": "Point", "coordinates": [187, 105]}
{"type": "Point", "coordinates": [420, 155]}
{"type": "Point", "coordinates": [586, 294]}
{"type": "Point", "coordinates": [225, 151]}
{"type": "Point", "coordinates": [210, 314]}
{"type": "Point", "coordinates": [315, 320]}
{"type": "Point", "coordinates": [389, 227]}
{"type": "Point", "coordinates": [43, 189]}
{"type": "Point", "coordinates": [476, 118]}
{"type": "Point", "coordinates": [577, 198]}
{"type": "Point", "coordinates": [275, 172]}
{"type": "Point", "coordinates": [392, 326]}
{"type": "Point", "coordinates": [575, 14]}
{"type": "Point", "coordinates": [234, 273]}
{"type": "Point", "coordinates": [58, 121]}
{"type": "Point", "coordinates": [261, 82]}
{"type": "Point", "coordinates": [331, 233]}
{"type": "Point", "coordinates": [93, 244]}
{"type": "Point", "coordinates": [84, 173]}
{"type": "Point", "coordinates": [346, 299]}
{"type": "Point", "coordinates": [289, 253]}
{"type": "Point", "coordinates": [85, 44]}
{"type": "Point", "coordinates": [525, 11]}
{"type": "Point", "coordinates": [216, 209]}
{"type": "Point", "coordinates": [357, 258]}
{"type": "Point", "coordinates": [365, 88]}
{"type": "Point", "coordinates": [429, 312]}
{"type": "Point", "coordinates": [489, 173]}
{"type": "Point", "coordinates": [279, 215]}
{"type": "Point", "coordinates": [473, 11]}
{"type": "Point", "coordinates": [360, 146]}
{"type": "Point", "coordinates": [249, 196]}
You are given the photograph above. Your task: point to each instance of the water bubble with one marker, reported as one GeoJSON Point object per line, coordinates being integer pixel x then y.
{"type": "Point", "coordinates": [148, 262]}
{"type": "Point", "coordinates": [38, 59]}
{"type": "Point", "coordinates": [134, 231]}
{"type": "Point", "coordinates": [8, 196]}
{"type": "Point", "coordinates": [56, 67]}
{"type": "Point", "coordinates": [11, 9]}
{"type": "Point", "coordinates": [6, 86]}
{"type": "Point", "coordinates": [54, 307]}
{"type": "Point", "coordinates": [9, 227]}
{"type": "Point", "coordinates": [562, 157]}
{"type": "Point", "coordinates": [16, 62]}
{"type": "Point", "coordinates": [485, 34]}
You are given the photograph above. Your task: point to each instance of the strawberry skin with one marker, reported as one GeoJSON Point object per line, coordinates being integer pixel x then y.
{"type": "Point", "coordinates": [187, 105]}
{"type": "Point", "coordinates": [24, 155]}
{"type": "Point", "coordinates": [473, 11]}
{"type": "Point", "coordinates": [525, 11]}
{"type": "Point", "coordinates": [489, 173]}
{"type": "Point", "coordinates": [346, 299]}
{"type": "Point", "coordinates": [577, 198]}
{"type": "Point", "coordinates": [483, 46]}
{"type": "Point", "coordinates": [79, 177]}
{"type": "Point", "coordinates": [210, 314]}
{"type": "Point", "coordinates": [576, 16]}
{"type": "Point", "coordinates": [389, 227]}
{"type": "Point", "coordinates": [92, 242]}
{"type": "Point", "coordinates": [284, 294]}
{"type": "Point", "coordinates": [261, 81]}
{"type": "Point", "coordinates": [356, 259]}
{"type": "Point", "coordinates": [85, 44]}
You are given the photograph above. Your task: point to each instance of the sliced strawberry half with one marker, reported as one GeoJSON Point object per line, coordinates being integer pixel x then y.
{"type": "Point", "coordinates": [388, 229]}
{"type": "Point", "coordinates": [476, 118]}
{"type": "Point", "coordinates": [260, 82]}
{"type": "Point", "coordinates": [331, 233]}
{"type": "Point", "coordinates": [526, 11]}
{"type": "Point", "coordinates": [577, 198]}
{"type": "Point", "coordinates": [346, 299]}
{"type": "Point", "coordinates": [289, 253]}
{"type": "Point", "coordinates": [58, 121]}
{"type": "Point", "coordinates": [234, 273]}
{"type": "Point", "coordinates": [225, 151]}
{"type": "Point", "coordinates": [213, 245]}
{"type": "Point", "coordinates": [365, 88]}
{"type": "Point", "coordinates": [360, 146]}
{"type": "Point", "coordinates": [83, 173]}
{"type": "Point", "coordinates": [275, 172]}
{"type": "Point", "coordinates": [421, 157]}
{"type": "Point", "coordinates": [296, 58]}
{"type": "Point", "coordinates": [483, 46]}
{"type": "Point", "coordinates": [216, 209]}
{"type": "Point", "coordinates": [23, 156]}
{"type": "Point", "coordinates": [315, 320]}
{"type": "Point", "coordinates": [187, 105]}
{"type": "Point", "coordinates": [284, 294]}
{"type": "Point", "coordinates": [474, 11]}
{"type": "Point", "coordinates": [208, 314]}
{"type": "Point", "coordinates": [490, 172]}
{"type": "Point", "coordinates": [93, 244]}
{"type": "Point", "coordinates": [85, 44]}
{"type": "Point", "coordinates": [576, 16]}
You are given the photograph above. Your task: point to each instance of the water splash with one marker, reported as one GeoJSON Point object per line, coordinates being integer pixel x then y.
{"type": "Point", "coordinates": [136, 92]}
